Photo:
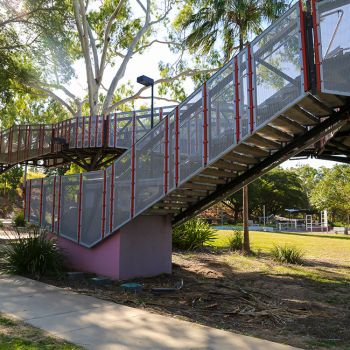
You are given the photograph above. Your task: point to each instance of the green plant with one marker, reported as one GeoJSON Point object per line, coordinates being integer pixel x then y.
{"type": "Point", "coordinates": [235, 242]}
{"type": "Point", "coordinates": [1, 224]}
{"type": "Point", "coordinates": [193, 235]}
{"type": "Point", "coordinates": [287, 254]}
{"type": "Point", "coordinates": [33, 253]}
{"type": "Point", "coordinates": [18, 220]}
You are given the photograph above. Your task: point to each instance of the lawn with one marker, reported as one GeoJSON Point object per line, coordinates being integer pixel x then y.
{"type": "Point", "coordinates": [17, 335]}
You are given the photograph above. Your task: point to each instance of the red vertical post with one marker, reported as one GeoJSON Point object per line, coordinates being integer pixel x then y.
{"type": "Point", "coordinates": [237, 100]}
{"type": "Point", "coordinates": [205, 124]}
{"type": "Point", "coordinates": [53, 205]}
{"type": "Point", "coordinates": [41, 201]}
{"type": "Point", "coordinates": [316, 44]}
{"type": "Point", "coordinates": [104, 203]}
{"type": "Point", "coordinates": [70, 130]}
{"type": "Point", "coordinates": [177, 146]}
{"type": "Point", "coordinates": [133, 165]}
{"type": "Point", "coordinates": [42, 134]}
{"type": "Point", "coordinates": [250, 89]}
{"type": "Point", "coordinates": [80, 204]}
{"type": "Point", "coordinates": [166, 155]}
{"type": "Point", "coordinates": [303, 46]}
{"type": "Point", "coordinates": [160, 113]}
{"type": "Point", "coordinates": [29, 198]}
{"type": "Point", "coordinates": [111, 209]}
{"type": "Point", "coordinates": [24, 193]}
{"type": "Point", "coordinates": [28, 141]}
{"type": "Point", "coordinates": [59, 204]}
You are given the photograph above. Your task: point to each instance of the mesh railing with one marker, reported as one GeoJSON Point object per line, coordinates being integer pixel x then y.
{"type": "Point", "coordinates": [246, 94]}
{"type": "Point", "coordinates": [24, 142]}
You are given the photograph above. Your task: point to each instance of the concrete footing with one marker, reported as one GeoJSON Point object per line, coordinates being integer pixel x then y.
{"type": "Point", "coordinates": [142, 248]}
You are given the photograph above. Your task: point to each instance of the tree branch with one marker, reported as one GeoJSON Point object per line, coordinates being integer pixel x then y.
{"type": "Point", "coordinates": [159, 42]}
{"type": "Point", "coordinates": [187, 73]}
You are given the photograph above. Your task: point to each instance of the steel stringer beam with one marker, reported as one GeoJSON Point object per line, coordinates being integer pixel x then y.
{"type": "Point", "coordinates": [291, 149]}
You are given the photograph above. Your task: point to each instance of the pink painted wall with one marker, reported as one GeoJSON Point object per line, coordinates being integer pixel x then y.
{"type": "Point", "coordinates": [141, 248]}
{"type": "Point", "coordinates": [102, 259]}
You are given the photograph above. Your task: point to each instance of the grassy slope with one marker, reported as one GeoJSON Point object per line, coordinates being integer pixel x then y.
{"type": "Point", "coordinates": [333, 251]}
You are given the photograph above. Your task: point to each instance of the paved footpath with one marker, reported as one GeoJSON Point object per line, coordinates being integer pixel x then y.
{"type": "Point", "coordinates": [101, 325]}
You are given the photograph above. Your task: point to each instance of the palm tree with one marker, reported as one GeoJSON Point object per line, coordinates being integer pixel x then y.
{"type": "Point", "coordinates": [234, 22]}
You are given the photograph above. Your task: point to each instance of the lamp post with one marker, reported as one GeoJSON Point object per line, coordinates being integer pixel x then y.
{"type": "Point", "coordinates": [147, 81]}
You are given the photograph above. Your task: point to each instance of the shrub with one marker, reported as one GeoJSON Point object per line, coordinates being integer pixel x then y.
{"type": "Point", "coordinates": [18, 220]}
{"type": "Point", "coordinates": [235, 242]}
{"type": "Point", "coordinates": [192, 235]}
{"type": "Point", "coordinates": [285, 254]}
{"type": "Point", "coordinates": [34, 254]}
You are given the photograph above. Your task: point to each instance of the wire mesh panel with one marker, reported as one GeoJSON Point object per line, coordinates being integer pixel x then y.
{"type": "Point", "coordinates": [277, 56]}
{"type": "Point", "coordinates": [107, 226]}
{"type": "Point", "coordinates": [27, 201]}
{"type": "Point", "coordinates": [91, 213]}
{"type": "Point", "coordinates": [171, 164]}
{"type": "Point", "coordinates": [47, 205]}
{"type": "Point", "coordinates": [122, 130]}
{"type": "Point", "coordinates": [243, 86]}
{"type": "Point", "coordinates": [221, 116]}
{"type": "Point", "coordinates": [122, 190]}
{"type": "Point", "coordinates": [334, 37]}
{"type": "Point", "coordinates": [69, 207]}
{"type": "Point", "coordinates": [4, 146]}
{"type": "Point", "coordinates": [190, 136]}
{"type": "Point", "coordinates": [57, 203]}
{"type": "Point", "coordinates": [35, 204]}
{"type": "Point", "coordinates": [149, 168]}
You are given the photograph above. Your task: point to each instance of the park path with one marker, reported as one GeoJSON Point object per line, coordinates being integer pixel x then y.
{"type": "Point", "coordinates": [101, 325]}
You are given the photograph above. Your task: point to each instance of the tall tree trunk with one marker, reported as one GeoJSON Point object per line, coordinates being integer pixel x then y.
{"type": "Point", "coordinates": [246, 244]}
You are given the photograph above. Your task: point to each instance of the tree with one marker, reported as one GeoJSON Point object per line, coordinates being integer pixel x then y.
{"type": "Point", "coordinates": [11, 179]}
{"type": "Point", "coordinates": [103, 36]}
{"type": "Point", "coordinates": [277, 190]}
{"type": "Point", "coordinates": [332, 192]}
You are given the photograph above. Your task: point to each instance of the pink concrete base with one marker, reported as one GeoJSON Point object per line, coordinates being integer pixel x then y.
{"type": "Point", "coordinates": [141, 248]}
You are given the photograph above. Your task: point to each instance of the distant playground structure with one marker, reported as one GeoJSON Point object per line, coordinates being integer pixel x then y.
{"type": "Point", "coordinates": [286, 94]}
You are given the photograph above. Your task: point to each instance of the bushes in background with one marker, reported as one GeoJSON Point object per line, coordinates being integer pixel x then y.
{"type": "Point", "coordinates": [18, 220]}
{"type": "Point", "coordinates": [287, 254]}
{"type": "Point", "coordinates": [193, 235]}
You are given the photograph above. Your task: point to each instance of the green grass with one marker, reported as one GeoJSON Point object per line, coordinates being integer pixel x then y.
{"type": "Point", "coordinates": [326, 256]}
{"type": "Point", "coordinates": [17, 335]}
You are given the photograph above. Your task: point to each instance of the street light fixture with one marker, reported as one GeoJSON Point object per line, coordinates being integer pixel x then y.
{"type": "Point", "coordinates": [147, 81]}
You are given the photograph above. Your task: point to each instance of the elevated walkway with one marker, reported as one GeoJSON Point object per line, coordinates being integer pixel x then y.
{"type": "Point", "coordinates": [280, 96]}
{"type": "Point", "coordinates": [91, 142]}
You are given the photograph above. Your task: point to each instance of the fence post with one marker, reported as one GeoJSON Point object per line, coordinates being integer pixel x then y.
{"type": "Point", "coordinates": [237, 100]}
{"type": "Point", "coordinates": [205, 124]}
{"type": "Point", "coordinates": [111, 197]}
{"type": "Point", "coordinates": [104, 203]}
{"type": "Point", "coordinates": [53, 205]}
{"type": "Point", "coordinates": [41, 201]}
{"type": "Point", "coordinates": [177, 146]}
{"type": "Point", "coordinates": [250, 89]}
{"type": "Point", "coordinates": [133, 166]}
{"type": "Point", "coordinates": [166, 155]}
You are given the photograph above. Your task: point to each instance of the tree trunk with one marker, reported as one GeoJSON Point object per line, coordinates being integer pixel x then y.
{"type": "Point", "coordinates": [246, 244]}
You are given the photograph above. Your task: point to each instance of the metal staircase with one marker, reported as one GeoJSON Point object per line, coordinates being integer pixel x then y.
{"type": "Point", "coordinates": [278, 98]}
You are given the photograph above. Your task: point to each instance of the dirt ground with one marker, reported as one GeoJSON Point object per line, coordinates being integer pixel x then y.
{"type": "Point", "coordinates": [282, 308]}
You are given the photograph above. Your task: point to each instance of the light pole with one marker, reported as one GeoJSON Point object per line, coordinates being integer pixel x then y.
{"type": "Point", "coordinates": [147, 81]}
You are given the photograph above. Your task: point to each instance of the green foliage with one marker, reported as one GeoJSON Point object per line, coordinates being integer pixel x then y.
{"type": "Point", "coordinates": [18, 220]}
{"type": "Point", "coordinates": [287, 254]}
{"type": "Point", "coordinates": [11, 179]}
{"type": "Point", "coordinates": [193, 235]}
{"type": "Point", "coordinates": [235, 241]}
{"type": "Point", "coordinates": [277, 190]}
{"type": "Point", "coordinates": [36, 255]}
